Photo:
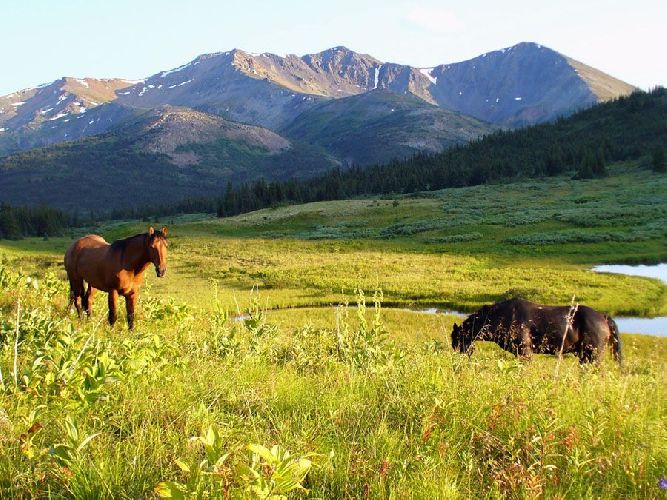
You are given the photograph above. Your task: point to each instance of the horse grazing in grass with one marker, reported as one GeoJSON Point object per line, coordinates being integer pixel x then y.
{"type": "Point", "coordinates": [523, 328]}
{"type": "Point", "coordinates": [116, 268]}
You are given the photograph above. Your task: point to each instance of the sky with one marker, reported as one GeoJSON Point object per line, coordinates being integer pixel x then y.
{"type": "Point", "coordinates": [46, 39]}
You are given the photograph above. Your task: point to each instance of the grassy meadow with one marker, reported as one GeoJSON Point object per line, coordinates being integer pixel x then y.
{"type": "Point", "coordinates": [321, 391]}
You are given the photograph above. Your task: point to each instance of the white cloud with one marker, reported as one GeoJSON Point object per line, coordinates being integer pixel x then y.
{"type": "Point", "coordinates": [435, 19]}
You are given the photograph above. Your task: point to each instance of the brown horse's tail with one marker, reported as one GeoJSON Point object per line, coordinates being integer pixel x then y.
{"type": "Point", "coordinates": [616, 340]}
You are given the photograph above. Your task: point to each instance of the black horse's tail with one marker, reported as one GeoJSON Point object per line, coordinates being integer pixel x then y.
{"type": "Point", "coordinates": [616, 340]}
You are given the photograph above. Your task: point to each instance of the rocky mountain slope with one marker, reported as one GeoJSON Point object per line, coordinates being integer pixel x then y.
{"type": "Point", "coordinates": [381, 125]}
{"type": "Point", "coordinates": [521, 85]}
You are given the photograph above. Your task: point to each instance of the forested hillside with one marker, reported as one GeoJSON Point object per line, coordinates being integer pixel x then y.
{"type": "Point", "coordinates": [631, 127]}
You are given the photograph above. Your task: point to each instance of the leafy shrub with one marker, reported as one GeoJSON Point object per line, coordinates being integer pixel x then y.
{"type": "Point", "coordinates": [456, 238]}
{"type": "Point", "coordinates": [307, 348]}
{"type": "Point", "coordinates": [409, 228]}
{"type": "Point", "coordinates": [576, 236]}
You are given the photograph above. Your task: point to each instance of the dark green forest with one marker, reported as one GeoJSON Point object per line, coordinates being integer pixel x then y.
{"type": "Point", "coordinates": [18, 222]}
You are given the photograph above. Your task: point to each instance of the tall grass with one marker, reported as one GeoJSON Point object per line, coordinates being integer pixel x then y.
{"type": "Point", "coordinates": [205, 404]}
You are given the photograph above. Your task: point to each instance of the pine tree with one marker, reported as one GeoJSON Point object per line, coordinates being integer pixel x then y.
{"type": "Point", "coordinates": [658, 163]}
{"type": "Point", "coordinates": [586, 166]}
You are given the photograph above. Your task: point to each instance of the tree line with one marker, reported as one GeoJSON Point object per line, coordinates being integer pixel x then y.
{"type": "Point", "coordinates": [19, 222]}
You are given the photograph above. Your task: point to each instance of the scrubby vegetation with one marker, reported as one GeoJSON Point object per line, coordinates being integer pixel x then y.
{"type": "Point", "coordinates": [305, 387]}
{"type": "Point", "coordinates": [342, 402]}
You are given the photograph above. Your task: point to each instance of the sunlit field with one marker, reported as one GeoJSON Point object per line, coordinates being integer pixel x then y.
{"type": "Point", "coordinates": [260, 336]}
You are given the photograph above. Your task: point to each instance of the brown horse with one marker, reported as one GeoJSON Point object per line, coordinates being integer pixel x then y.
{"type": "Point", "coordinates": [117, 269]}
{"type": "Point", "coordinates": [523, 328]}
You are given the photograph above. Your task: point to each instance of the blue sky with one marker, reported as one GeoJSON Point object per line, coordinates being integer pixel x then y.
{"type": "Point", "coordinates": [45, 39]}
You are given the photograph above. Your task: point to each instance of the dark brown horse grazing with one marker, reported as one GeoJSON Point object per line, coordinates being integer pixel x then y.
{"type": "Point", "coordinates": [117, 269]}
{"type": "Point", "coordinates": [524, 328]}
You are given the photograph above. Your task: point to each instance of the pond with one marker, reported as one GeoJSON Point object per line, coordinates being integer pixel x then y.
{"type": "Point", "coordinates": [646, 326]}
{"type": "Point", "coordinates": [658, 271]}
{"type": "Point", "coordinates": [649, 326]}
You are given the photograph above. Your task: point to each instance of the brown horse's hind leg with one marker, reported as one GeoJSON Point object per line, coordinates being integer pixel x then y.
{"type": "Point", "coordinates": [88, 300]}
{"type": "Point", "coordinates": [75, 294]}
{"type": "Point", "coordinates": [113, 314]}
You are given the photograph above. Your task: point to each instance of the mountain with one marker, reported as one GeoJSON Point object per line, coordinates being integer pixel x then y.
{"type": "Point", "coordinates": [521, 85]}
{"type": "Point", "coordinates": [169, 153]}
{"type": "Point", "coordinates": [381, 125]}
{"type": "Point", "coordinates": [236, 116]}
{"type": "Point", "coordinates": [64, 110]}
{"type": "Point", "coordinates": [157, 156]}
{"type": "Point", "coordinates": [62, 98]}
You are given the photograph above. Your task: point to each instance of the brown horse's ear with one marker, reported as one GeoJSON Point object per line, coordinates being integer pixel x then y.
{"type": "Point", "coordinates": [455, 326]}
{"type": "Point", "coordinates": [164, 230]}
{"type": "Point", "coordinates": [151, 231]}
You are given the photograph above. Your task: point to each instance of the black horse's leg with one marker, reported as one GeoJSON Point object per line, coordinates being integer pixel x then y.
{"type": "Point", "coordinates": [525, 342]}
{"type": "Point", "coordinates": [130, 302]}
{"type": "Point", "coordinates": [113, 314]}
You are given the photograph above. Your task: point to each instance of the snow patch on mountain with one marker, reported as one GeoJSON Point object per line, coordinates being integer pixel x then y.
{"type": "Point", "coordinates": [427, 73]}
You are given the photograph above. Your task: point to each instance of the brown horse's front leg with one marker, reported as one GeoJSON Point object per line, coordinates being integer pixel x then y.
{"type": "Point", "coordinates": [76, 291]}
{"type": "Point", "coordinates": [130, 302]}
{"type": "Point", "coordinates": [113, 314]}
{"type": "Point", "coordinates": [88, 300]}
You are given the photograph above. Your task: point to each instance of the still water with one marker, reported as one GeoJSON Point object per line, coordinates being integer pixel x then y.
{"type": "Point", "coordinates": [649, 326]}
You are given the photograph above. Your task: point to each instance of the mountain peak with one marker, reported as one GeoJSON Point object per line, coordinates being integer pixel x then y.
{"type": "Point", "coordinates": [339, 48]}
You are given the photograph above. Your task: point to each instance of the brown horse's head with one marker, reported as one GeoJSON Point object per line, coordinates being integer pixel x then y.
{"type": "Point", "coordinates": [157, 249]}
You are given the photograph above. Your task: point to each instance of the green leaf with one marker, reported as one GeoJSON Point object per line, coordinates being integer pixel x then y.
{"type": "Point", "coordinates": [211, 436]}
{"type": "Point", "coordinates": [170, 489]}
{"type": "Point", "coordinates": [263, 452]}
{"type": "Point", "coordinates": [182, 465]}
{"type": "Point", "coordinates": [86, 441]}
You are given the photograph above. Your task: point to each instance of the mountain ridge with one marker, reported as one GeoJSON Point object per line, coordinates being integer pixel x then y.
{"type": "Point", "coordinates": [522, 84]}
{"type": "Point", "coordinates": [235, 115]}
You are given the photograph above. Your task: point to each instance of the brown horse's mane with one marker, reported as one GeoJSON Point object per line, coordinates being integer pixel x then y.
{"type": "Point", "coordinates": [125, 241]}
{"type": "Point", "coordinates": [121, 245]}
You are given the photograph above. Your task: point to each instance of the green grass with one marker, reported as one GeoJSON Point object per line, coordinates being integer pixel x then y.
{"type": "Point", "coordinates": [98, 412]}
{"type": "Point", "coordinates": [380, 405]}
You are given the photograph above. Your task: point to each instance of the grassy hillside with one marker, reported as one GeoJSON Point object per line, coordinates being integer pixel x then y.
{"type": "Point", "coordinates": [455, 248]}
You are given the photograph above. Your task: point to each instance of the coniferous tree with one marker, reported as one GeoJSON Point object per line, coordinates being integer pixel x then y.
{"type": "Point", "coordinates": [658, 163]}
